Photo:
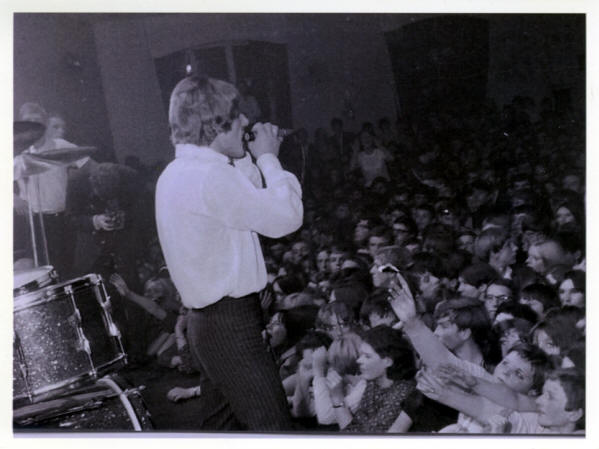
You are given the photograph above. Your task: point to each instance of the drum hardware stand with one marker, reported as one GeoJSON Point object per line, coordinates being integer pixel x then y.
{"type": "Point", "coordinates": [23, 366]}
{"type": "Point", "coordinates": [76, 322]}
{"type": "Point", "coordinates": [113, 330]}
{"type": "Point", "coordinates": [31, 414]}
{"type": "Point", "coordinates": [90, 405]}
{"type": "Point", "coordinates": [123, 397]}
{"type": "Point", "coordinates": [42, 226]}
{"type": "Point", "coordinates": [36, 260]}
{"type": "Point", "coordinates": [32, 230]}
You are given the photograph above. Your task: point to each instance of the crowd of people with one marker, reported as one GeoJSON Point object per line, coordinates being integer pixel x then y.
{"type": "Point", "coordinates": [437, 283]}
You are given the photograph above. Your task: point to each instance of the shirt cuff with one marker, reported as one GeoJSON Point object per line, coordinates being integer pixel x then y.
{"type": "Point", "coordinates": [268, 164]}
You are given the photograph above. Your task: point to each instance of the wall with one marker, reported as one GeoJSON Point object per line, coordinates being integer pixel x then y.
{"type": "Point", "coordinates": [330, 59]}
{"type": "Point", "coordinates": [55, 64]}
{"type": "Point", "coordinates": [113, 98]}
{"type": "Point", "coordinates": [137, 116]}
{"type": "Point", "coordinates": [529, 54]}
{"type": "Point", "coordinates": [536, 54]}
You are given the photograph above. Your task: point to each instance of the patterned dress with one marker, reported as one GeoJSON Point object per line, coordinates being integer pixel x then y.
{"type": "Point", "coordinates": [380, 407]}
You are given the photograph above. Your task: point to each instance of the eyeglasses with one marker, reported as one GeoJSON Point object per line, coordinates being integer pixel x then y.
{"type": "Point", "coordinates": [341, 325]}
{"type": "Point", "coordinates": [500, 298]}
{"type": "Point", "coordinates": [387, 268]}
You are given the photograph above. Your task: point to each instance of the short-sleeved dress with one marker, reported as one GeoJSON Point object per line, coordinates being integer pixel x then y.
{"type": "Point", "coordinates": [380, 407]}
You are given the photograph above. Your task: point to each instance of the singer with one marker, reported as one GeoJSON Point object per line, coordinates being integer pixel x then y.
{"type": "Point", "coordinates": [210, 208]}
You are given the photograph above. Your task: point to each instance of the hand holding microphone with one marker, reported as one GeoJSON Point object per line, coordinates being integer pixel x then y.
{"type": "Point", "coordinates": [266, 139]}
{"type": "Point", "coordinates": [249, 135]}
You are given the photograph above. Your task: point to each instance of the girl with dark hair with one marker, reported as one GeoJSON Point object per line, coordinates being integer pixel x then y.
{"type": "Point", "coordinates": [387, 369]}
{"type": "Point", "coordinates": [572, 289]}
{"type": "Point", "coordinates": [539, 297]}
{"type": "Point", "coordinates": [558, 332]}
{"type": "Point", "coordinates": [568, 214]}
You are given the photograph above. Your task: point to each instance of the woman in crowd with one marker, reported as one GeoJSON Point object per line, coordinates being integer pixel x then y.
{"type": "Point", "coordinates": [369, 159]}
{"type": "Point", "coordinates": [572, 289]}
{"type": "Point", "coordinates": [558, 332]}
{"type": "Point", "coordinates": [387, 369]}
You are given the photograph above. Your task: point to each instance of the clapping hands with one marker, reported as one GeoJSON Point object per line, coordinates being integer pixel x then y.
{"type": "Point", "coordinates": [335, 385]}
{"type": "Point", "coordinates": [319, 361]}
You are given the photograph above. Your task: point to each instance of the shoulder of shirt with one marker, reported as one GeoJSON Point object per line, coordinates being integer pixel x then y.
{"type": "Point", "coordinates": [190, 151]}
{"type": "Point", "coordinates": [61, 143]}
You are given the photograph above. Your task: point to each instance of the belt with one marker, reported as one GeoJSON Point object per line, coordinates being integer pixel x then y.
{"type": "Point", "coordinates": [223, 301]}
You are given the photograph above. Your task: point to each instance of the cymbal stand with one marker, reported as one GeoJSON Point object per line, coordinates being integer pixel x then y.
{"type": "Point", "coordinates": [42, 227]}
{"type": "Point", "coordinates": [32, 230]}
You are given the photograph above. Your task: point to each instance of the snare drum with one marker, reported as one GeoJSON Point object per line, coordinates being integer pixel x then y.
{"type": "Point", "coordinates": [107, 405]}
{"type": "Point", "coordinates": [64, 336]}
{"type": "Point", "coordinates": [27, 281]}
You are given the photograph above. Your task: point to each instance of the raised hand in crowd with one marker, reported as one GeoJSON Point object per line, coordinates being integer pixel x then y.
{"type": "Point", "coordinates": [451, 374]}
{"type": "Point", "coordinates": [120, 284]}
{"type": "Point", "coordinates": [401, 299]}
{"type": "Point", "coordinates": [266, 298]}
{"type": "Point", "coordinates": [430, 384]}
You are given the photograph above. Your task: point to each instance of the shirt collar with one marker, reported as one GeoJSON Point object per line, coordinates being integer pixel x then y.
{"type": "Point", "coordinates": [191, 151]}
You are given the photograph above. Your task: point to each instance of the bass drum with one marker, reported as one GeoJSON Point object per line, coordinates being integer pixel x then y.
{"type": "Point", "coordinates": [107, 406]}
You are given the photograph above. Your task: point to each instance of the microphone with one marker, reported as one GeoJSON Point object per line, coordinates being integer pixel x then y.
{"type": "Point", "coordinates": [250, 136]}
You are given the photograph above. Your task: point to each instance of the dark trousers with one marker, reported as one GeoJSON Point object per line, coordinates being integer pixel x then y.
{"type": "Point", "coordinates": [225, 340]}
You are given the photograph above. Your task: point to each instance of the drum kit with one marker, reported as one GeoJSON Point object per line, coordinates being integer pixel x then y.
{"type": "Point", "coordinates": [66, 349]}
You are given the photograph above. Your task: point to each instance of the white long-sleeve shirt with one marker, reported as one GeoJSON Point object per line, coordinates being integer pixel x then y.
{"type": "Point", "coordinates": [208, 215]}
{"type": "Point", "coordinates": [47, 191]}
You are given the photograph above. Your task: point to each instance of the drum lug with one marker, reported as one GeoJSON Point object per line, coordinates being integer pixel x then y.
{"type": "Point", "coordinates": [83, 343]}
{"type": "Point", "coordinates": [23, 365]}
{"type": "Point", "coordinates": [75, 319]}
{"type": "Point", "coordinates": [85, 346]}
{"type": "Point", "coordinates": [113, 330]}
{"type": "Point", "coordinates": [106, 304]}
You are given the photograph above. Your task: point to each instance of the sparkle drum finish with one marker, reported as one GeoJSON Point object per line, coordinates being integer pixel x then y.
{"type": "Point", "coordinates": [64, 336]}
{"type": "Point", "coordinates": [108, 405]}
